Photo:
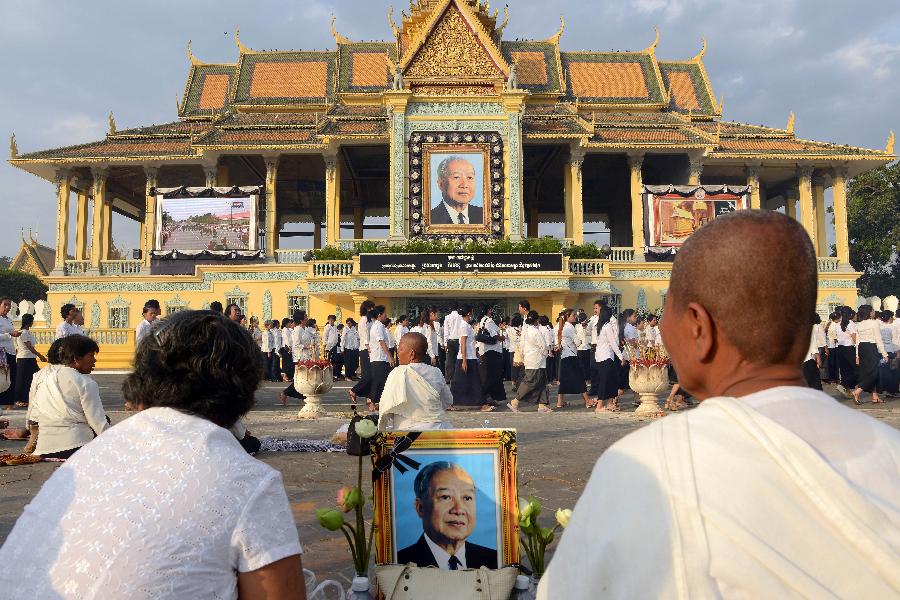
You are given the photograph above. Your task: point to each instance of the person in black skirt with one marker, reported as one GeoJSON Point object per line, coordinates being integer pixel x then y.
{"type": "Point", "coordinates": [583, 337]}
{"type": "Point", "coordinates": [869, 352]}
{"type": "Point", "coordinates": [571, 373]}
{"type": "Point", "coordinates": [466, 383]}
{"type": "Point", "coordinates": [363, 387]}
{"type": "Point", "coordinates": [514, 333]}
{"type": "Point", "coordinates": [888, 376]}
{"type": "Point", "coordinates": [813, 362]}
{"type": "Point", "coordinates": [846, 351]}
{"type": "Point", "coordinates": [605, 383]}
{"type": "Point", "coordinates": [26, 361]}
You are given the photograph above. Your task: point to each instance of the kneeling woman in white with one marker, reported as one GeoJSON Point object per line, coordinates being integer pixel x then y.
{"type": "Point", "coordinates": [415, 395]}
{"type": "Point", "coordinates": [165, 504]}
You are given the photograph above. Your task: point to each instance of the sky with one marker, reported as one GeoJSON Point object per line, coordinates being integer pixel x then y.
{"type": "Point", "coordinates": [66, 65]}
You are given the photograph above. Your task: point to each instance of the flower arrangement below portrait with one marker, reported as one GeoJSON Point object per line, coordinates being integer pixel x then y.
{"type": "Point", "coordinates": [534, 538]}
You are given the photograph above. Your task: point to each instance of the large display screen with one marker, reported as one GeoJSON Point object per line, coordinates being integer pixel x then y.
{"type": "Point", "coordinates": [673, 217]}
{"type": "Point", "coordinates": [213, 224]}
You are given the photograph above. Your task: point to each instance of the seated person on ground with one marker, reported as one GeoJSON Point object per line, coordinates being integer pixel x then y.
{"type": "Point", "coordinates": [67, 403]}
{"type": "Point", "coordinates": [769, 489]}
{"type": "Point", "coordinates": [166, 504]}
{"type": "Point", "coordinates": [38, 380]}
{"type": "Point", "coordinates": [415, 394]}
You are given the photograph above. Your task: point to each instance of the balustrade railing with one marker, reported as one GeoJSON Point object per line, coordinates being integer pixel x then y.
{"type": "Point", "coordinates": [827, 264]}
{"type": "Point", "coordinates": [350, 244]}
{"type": "Point", "coordinates": [290, 257]}
{"type": "Point", "coordinates": [76, 267]}
{"type": "Point", "coordinates": [106, 336]}
{"type": "Point", "coordinates": [332, 268]}
{"type": "Point", "coordinates": [120, 267]}
{"type": "Point", "coordinates": [579, 266]}
{"type": "Point", "coordinates": [622, 254]}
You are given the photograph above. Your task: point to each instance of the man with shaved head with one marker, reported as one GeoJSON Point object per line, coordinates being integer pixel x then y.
{"type": "Point", "coordinates": [769, 489]}
{"type": "Point", "coordinates": [415, 394]}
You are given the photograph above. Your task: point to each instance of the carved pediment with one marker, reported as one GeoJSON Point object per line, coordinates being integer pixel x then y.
{"type": "Point", "coordinates": [454, 48]}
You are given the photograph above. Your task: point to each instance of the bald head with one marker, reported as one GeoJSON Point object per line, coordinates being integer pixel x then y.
{"type": "Point", "coordinates": [755, 274]}
{"type": "Point", "coordinates": [412, 348]}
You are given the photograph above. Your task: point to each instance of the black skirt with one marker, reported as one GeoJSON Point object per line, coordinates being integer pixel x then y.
{"type": "Point", "coordinates": [26, 368]}
{"type": "Point", "coordinates": [379, 370]}
{"type": "Point", "coordinates": [605, 385]}
{"type": "Point", "coordinates": [584, 357]}
{"type": "Point", "coordinates": [868, 367]}
{"type": "Point", "coordinates": [571, 376]}
{"type": "Point", "coordinates": [466, 385]}
{"type": "Point", "coordinates": [888, 378]}
{"type": "Point", "coordinates": [811, 374]}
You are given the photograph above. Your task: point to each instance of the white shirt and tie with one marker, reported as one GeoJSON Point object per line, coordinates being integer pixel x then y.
{"type": "Point", "coordinates": [457, 217]}
{"type": "Point", "coordinates": [443, 559]}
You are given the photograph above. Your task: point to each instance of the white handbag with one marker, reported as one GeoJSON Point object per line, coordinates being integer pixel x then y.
{"type": "Point", "coordinates": [409, 582]}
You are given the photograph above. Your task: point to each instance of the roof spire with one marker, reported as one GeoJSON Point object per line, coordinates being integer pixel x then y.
{"type": "Point", "coordinates": [390, 16]}
{"type": "Point", "coordinates": [652, 47]}
{"type": "Point", "coordinates": [237, 41]}
{"type": "Point", "coordinates": [499, 30]}
{"type": "Point", "coordinates": [337, 37]}
{"type": "Point", "coordinates": [554, 39]}
{"type": "Point", "coordinates": [790, 123]}
{"type": "Point", "coordinates": [194, 60]}
{"type": "Point", "coordinates": [13, 147]}
{"type": "Point", "coordinates": [889, 148]}
{"type": "Point", "coordinates": [112, 124]}
{"type": "Point", "coordinates": [721, 104]}
{"type": "Point", "coordinates": [699, 56]}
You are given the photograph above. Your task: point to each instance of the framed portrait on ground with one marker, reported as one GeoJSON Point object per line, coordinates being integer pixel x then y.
{"type": "Point", "coordinates": [446, 498]}
{"type": "Point", "coordinates": [456, 184]}
{"type": "Point", "coordinates": [675, 212]}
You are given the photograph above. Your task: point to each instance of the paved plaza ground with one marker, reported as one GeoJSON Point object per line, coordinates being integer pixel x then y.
{"type": "Point", "coordinates": [556, 455]}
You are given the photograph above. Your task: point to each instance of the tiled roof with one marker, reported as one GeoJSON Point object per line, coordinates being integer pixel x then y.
{"type": "Point", "coordinates": [285, 78]}
{"type": "Point", "coordinates": [757, 146]}
{"type": "Point", "coordinates": [647, 136]}
{"type": "Point", "coordinates": [116, 148]}
{"type": "Point", "coordinates": [565, 127]}
{"type": "Point", "coordinates": [207, 90]}
{"type": "Point", "coordinates": [688, 84]}
{"type": "Point", "coordinates": [603, 117]}
{"type": "Point", "coordinates": [612, 78]}
{"type": "Point", "coordinates": [173, 129]}
{"type": "Point", "coordinates": [268, 119]}
{"type": "Point", "coordinates": [369, 128]}
{"type": "Point", "coordinates": [259, 137]}
{"type": "Point", "coordinates": [364, 66]}
{"type": "Point", "coordinates": [734, 128]}
{"type": "Point", "coordinates": [537, 65]}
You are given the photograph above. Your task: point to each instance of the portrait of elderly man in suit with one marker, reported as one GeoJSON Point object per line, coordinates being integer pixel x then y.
{"type": "Point", "coordinates": [459, 187]}
{"type": "Point", "coordinates": [445, 501]}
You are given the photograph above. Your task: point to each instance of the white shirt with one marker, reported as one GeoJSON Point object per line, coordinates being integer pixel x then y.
{"type": "Point", "coordinates": [454, 214]}
{"type": "Point", "coordinates": [630, 333]}
{"type": "Point", "coordinates": [140, 332]}
{"type": "Point", "coordinates": [180, 522]}
{"type": "Point", "coordinates": [465, 330]}
{"type": "Point", "coordinates": [820, 335]}
{"type": "Point", "coordinates": [68, 408]}
{"type": "Point", "coordinates": [350, 338]}
{"type": "Point", "coordinates": [569, 341]}
{"type": "Point", "coordinates": [378, 333]}
{"type": "Point", "coordinates": [451, 325]}
{"type": "Point", "coordinates": [493, 329]}
{"type": "Point", "coordinates": [22, 350]}
{"type": "Point", "coordinates": [653, 335]}
{"type": "Point", "coordinates": [286, 335]}
{"type": "Point", "coordinates": [592, 328]}
{"type": "Point", "coordinates": [330, 335]}
{"type": "Point", "coordinates": [813, 344]}
{"type": "Point", "coordinates": [442, 558]}
{"type": "Point", "coordinates": [534, 347]}
{"type": "Point", "coordinates": [549, 338]}
{"type": "Point", "coordinates": [608, 343]}
{"type": "Point", "coordinates": [364, 333]}
{"type": "Point", "coordinates": [430, 336]}
{"type": "Point", "coordinates": [843, 337]}
{"type": "Point", "coordinates": [301, 344]}
{"type": "Point", "coordinates": [581, 337]}
{"type": "Point", "coordinates": [65, 329]}
{"type": "Point", "coordinates": [400, 331]}
{"type": "Point", "coordinates": [263, 339]}
{"type": "Point", "coordinates": [869, 331]}
{"type": "Point", "coordinates": [6, 340]}
{"type": "Point", "coordinates": [831, 333]}
{"type": "Point", "coordinates": [514, 334]}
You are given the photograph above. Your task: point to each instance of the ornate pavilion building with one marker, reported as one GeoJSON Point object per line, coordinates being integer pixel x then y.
{"type": "Point", "coordinates": [340, 140]}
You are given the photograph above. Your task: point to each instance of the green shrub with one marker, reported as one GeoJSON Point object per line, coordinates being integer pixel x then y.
{"type": "Point", "coordinates": [21, 286]}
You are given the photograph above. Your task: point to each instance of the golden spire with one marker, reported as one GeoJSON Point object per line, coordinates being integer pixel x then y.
{"type": "Point", "coordinates": [790, 123]}
{"type": "Point", "coordinates": [194, 60]}
{"type": "Point", "coordinates": [555, 38]}
{"type": "Point", "coordinates": [390, 16]}
{"type": "Point", "coordinates": [237, 41]}
{"type": "Point", "coordinates": [889, 148]}
{"type": "Point", "coordinates": [652, 47]}
{"type": "Point", "coordinates": [500, 29]}
{"type": "Point", "coordinates": [13, 148]}
{"type": "Point", "coordinates": [112, 124]}
{"type": "Point", "coordinates": [337, 37]}
{"type": "Point", "coordinates": [722, 104]}
{"type": "Point", "coordinates": [699, 56]}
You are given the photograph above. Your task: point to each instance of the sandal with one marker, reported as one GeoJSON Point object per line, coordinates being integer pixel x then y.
{"type": "Point", "coordinates": [563, 405]}
{"type": "Point", "coordinates": [282, 398]}
{"type": "Point", "coordinates": [543, 408]}
{"type": "Point", "coordinates": [513, 405]}
{"type": "Point", "coordinates": [488, 408]}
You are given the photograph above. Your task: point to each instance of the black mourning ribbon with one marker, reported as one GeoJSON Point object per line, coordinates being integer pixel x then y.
{"type": "Point", "coordinates": [395, 456]}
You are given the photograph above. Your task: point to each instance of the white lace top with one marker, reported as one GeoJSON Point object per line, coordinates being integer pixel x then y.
{"type": "Point", "coordinates": [163, 505]}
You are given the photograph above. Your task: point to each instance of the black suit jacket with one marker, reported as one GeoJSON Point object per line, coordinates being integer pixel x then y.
{"type": "Point", "coordinates": [419, 553]}
{"type": "Point", "coordinates": [439, 215]}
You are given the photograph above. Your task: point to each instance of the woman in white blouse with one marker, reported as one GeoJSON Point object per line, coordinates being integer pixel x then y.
{"type": "Point", "coordinates": [350, 348]}
{"type": "Point", "coordinates": [466, 383]}
{"type": "Point", "coordinates": [426, 328]}
{"type": "Point", "coordinates": [890, 337]}
{"type": "Point", "coordinates": [869, 351]}
{"type": "Point", "coordinates": [514, 333]}
{"type": "Point", "coordinates": [845, 343]}
{"type": "Point", "coordinates": [8, 334]}
{"type": "Point", "coordinates": [608, 355]}
{"type": "Point", "coordinates": [26, 361]}
{"type": "Point", "coordinates": [166, 504]}
{"type": "Point", "coordinates": [571, 374]}
{"type": "Point", "coordinates": [533, 386]}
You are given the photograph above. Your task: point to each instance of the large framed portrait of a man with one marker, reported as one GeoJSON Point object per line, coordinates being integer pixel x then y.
{"type": "Point", "coordinates": [456, 184]}
{"type": "Point", "coordinates": [450, 502]}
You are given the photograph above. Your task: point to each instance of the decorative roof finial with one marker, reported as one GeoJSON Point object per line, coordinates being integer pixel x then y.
{"type": "Point", "coordinates": [699, 56]}
{"type": "Point", "coordinates": [13, 147]}
{"type": "Point", "coordinates": [337, 37]}
{"type": "Point", "coordinates": [237, 41]}
{"type": "Point", "coordinates": [652, 47]}
{"type": "Point", "coordinates": [112, 124]}
{"type": "Point", "coordinates": [22, 234]}
{"type": "Point", "coordinates": [889, 148]}
{"type": "Point", "coordinates": [194, 60]}
{"type": "Point", "coordinates": [721, 104]}
{"type": "Point", "coordinates": [790, 123]}
{"type": "Point", "coordinates": [390, 16]}
{"type": "Point", "coordinates": [562, 26]}
{"type": "Point", "coordinates": [500, 29]}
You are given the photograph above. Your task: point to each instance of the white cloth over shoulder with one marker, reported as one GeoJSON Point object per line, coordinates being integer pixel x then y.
{"type": "Point", "coordinates": [414, 399]}
{"type": "Point", "coordinates": [780, 494]}
{"type": "Point", "coordinates": [68, 408]}
{"type": "Point", "coordinates": [163, 505]}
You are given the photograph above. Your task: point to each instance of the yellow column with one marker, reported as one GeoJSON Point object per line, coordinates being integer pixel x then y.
{"type": "Point", "coordinates": [637, 206]}
{"type": "Point", "coordinates": [63, 189]}
{"type": "Point", "coordinates": [807, 206]}
{"type": "Point", "coordinates": [574, 198]}
{"type": "Point", "coordinates": [790, 204]}
{"type": "Point", "coordinates": [271, 207]}
{"type": "Point", "coordinates": [818, 192]}
{"type": "Point", "coordinates": [81, 220]}
{"type": "Point", "coordinates": [332, 199]}
{"type": "Point", "coordinates": [695, 169]}
{"type": "Point", "coordinates": [107, 240]}
{"type": "Point", "coordinates": [98, 226]}
{"type": "Point", "coordinates": [148, 241]}
{"type": "Point", "coordinates": [839, 183]}
{"type": "Point", "coordinates": [358, 219]}
{"type": "Point", "coordinates": [753, 183]}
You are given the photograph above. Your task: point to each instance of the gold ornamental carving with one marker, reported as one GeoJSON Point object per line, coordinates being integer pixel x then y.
{"type": "Point", "coordinates": [452, 51]}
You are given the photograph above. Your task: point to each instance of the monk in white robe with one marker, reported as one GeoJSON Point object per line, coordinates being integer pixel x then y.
{"type": "Point", "coordinates": [415, 394]}
{"type": "Point", "coordinates": [769, 489]}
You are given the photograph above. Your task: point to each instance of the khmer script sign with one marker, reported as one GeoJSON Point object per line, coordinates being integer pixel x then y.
{"type": "Point", "coordinates": [460, 263]}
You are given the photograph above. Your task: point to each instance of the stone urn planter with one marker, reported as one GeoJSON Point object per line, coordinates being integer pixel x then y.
{"type": "Point", "coordinates": [648, 382]}
{"type": "Point", "coordinates": [313, 381]}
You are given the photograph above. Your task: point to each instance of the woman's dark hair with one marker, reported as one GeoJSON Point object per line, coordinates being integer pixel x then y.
{"type": "Point", "coordinates": [544, 321]}
{"type": "Point", "coordinates": [525, 304]}
{"type": "Point", "coordinates": [604, 317]}
{"type": "Point", "coordinates": [817, 320]}
{"type": "Point", "coordinates": [464, 310]}
{"type": "Point", "coordinates": [216, 306]}
{"type": "Point", "coordinates": [285, 322]}
{"type": "Point", "coordinates": [64, 310]}
{"type": "Point", "coordinates": [865, 312]}
{"type": "Point", "coordinates": [516, 320]}
{"type": "Point", "coordinates": [198, 362]}
{"type": "Point", "coordinates": [376, 311]}
{"type": "Point", "coordinates": [366, 306]}
{"type": "Point", "coordinates": [53, 352]}
{"type": "Point", "coordinates": [350, 322]}
{"type": "Point", "coordinates": [532, 317]}
{"type": "Point", "coordinates": [623, 319]}
{"type": "Point", "coordinates": [846, 315]}
{"type": "Point", "coordinates": [299, 316]}
{"type": "Point", "coordinates": [887, 315]}
{"type": "Point", "coordinates": [27, 320]}
{"type": "Point", "coordinates": [75, 346]}
{"type": "Point", "coordinates": [310, 322]}
{"type": "Point", "coordinates": [425, 318]}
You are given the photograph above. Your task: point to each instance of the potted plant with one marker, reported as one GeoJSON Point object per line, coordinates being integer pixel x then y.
{"type": "Point", "coordinates": [648, 375]}
{"type": "Point", "coordinates": [535, 539]}
{"type": "Point", "coordinates": [313, 378]}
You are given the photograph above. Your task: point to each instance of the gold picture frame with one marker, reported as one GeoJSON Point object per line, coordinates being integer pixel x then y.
{"type": "Point", "coordinates": [405, 461]}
